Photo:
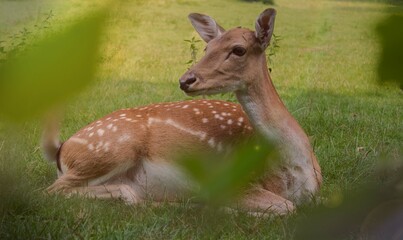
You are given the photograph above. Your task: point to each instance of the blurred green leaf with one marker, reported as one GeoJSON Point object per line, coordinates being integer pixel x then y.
{"type": "Point", "coordinates": [51, 70]}
{"type": "Point", "coordinates": [355, 212]}
{"type": "Point", "coordinates": [391, 61]}
{"type": "Point", "coordinates": [222, 177]}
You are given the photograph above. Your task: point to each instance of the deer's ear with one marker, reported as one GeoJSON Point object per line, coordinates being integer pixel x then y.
{"type": "Point", "coordinates": [207, 28]}
{"type": "Point", "coordinates": [264, 27]}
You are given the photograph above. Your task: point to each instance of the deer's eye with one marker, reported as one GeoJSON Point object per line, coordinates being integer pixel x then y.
{"type": "Point", "coordinates": [239, 51]}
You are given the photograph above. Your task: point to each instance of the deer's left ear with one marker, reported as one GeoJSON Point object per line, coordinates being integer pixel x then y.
{"type": "Point", "coordinates": [264, 27]}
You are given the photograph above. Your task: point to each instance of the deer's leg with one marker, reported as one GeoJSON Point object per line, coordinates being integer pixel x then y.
{"type": "Point", "coordinates": [259, 201]}
{"type": "Point", "coordinates": [119, 191]}
{"type": "Point", "coordinates": [70, 184]}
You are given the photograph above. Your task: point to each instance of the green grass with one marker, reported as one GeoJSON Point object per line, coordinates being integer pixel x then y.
{"type": "Point", "coordinates": [325, 71]}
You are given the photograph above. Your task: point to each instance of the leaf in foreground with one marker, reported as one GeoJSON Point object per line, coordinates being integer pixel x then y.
{"type": "Point", "coordinates": [391, 59]}
{"type": "Point", "coordinates": [221, 178]}
{"type": "Point", "coordinates": [51, 70]}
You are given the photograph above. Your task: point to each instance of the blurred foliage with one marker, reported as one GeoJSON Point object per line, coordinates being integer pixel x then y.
{"type": "Point", "coordinates": [391, 59]}
{"type": "Point", "coordinates": [50, 70]}
{"type": "Point", "coordinates": [222, 178]}
{"type": "Point", "coordinates": [373, 210]}
{"type": "Point", "coordinates": [35, 75]}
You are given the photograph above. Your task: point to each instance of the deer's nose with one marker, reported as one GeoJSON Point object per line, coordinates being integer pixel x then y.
{"type": "Point", "coordinates": [187, 80]}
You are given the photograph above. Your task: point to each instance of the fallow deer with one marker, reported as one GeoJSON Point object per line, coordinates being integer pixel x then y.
{"type": "Point", "coordinates": [131, 154]}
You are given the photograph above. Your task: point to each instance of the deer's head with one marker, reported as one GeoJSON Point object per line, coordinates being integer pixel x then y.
{"type": "Point", "coordinates": [232, 58]}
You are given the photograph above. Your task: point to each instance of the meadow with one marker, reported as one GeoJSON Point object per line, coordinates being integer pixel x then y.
{"type": "Point", "coordinates": [325, 71]}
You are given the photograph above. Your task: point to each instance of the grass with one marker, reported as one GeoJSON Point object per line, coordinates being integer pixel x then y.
{"type": "Point", "coordinates": [324, 70]}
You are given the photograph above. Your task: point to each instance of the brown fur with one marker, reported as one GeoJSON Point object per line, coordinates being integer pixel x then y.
{"type": "Point", "coordinates": [151, 138]}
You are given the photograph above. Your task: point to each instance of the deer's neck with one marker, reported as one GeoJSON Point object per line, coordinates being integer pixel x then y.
{"type": "Point", "coordinates": [271, 118]}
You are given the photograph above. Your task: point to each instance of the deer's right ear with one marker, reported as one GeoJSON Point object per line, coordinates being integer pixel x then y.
{"type": "Point", "coordinates": [264, 27]}
{"type": "Point", "coordinates": [207, 28]}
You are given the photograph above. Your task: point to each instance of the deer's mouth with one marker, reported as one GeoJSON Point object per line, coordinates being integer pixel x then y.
{"type": "Point", "coordinates": [209, 91]}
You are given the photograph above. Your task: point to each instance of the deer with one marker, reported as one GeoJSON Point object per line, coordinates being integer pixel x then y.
{"type": "Point", "coordinates": [132, 154]}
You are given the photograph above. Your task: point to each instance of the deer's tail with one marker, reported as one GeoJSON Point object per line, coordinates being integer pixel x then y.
{"type": "Point", "coordinates": [51, 143]}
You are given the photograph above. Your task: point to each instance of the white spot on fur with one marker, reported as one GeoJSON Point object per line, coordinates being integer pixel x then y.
{"type": "Point", "coordinates": [91, 146]}
{"type": "Point", "coordinates": [205, 120]}
{"type": "Point", "coordinates": [114, 129]}
{"type": "Point", "coordinates": [229, 122]}
{"type": "Point", "coordinates": [91, 134]}
{"type": "Point", "coordinates": [186, 106]}
{"type": "Point", "coordinates": [89, 129]}
{"type": "Point", "coordinates": [99, 146]}
{"type": "Point", "coordinates": [123, 115]}
{"type": "Point", "coordinates": [240, 119]}
{"type": "Point", "coordinates": [109, 126]}
{"type": "Point", "coordinates": [223, 126]}
{"type": "Point", "coordinates": [106, 146]}
{"type": "Point", "coordinates": [79, 140]}
{"type": "Point", "coordinates": [138, 115]}
{"type": "Point", "coordinates": [124, 138]}
{"type": "Point", "coordinates": [100, 132]}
